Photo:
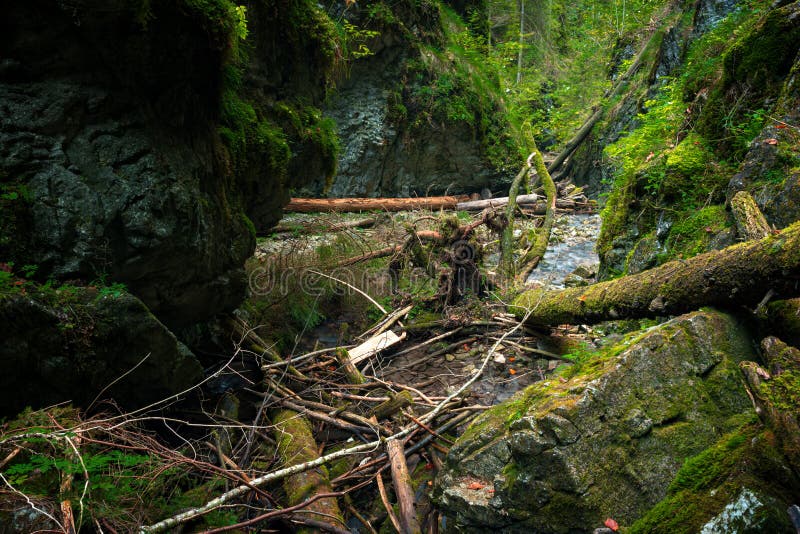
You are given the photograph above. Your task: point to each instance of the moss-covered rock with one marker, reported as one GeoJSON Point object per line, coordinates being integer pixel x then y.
{"type": "Point", "coordinates": [740, 485]}
{"type": "Point", "coordinates": [421, 114]}
{"type": "Point", "coordinates": [83, 343]}
{"type": "Point", "coordinates": [563, 456]}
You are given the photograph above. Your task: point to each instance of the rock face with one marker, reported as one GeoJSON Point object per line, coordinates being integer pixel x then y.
{"type": "Point", "coordinates": [561, 457]}
{"type": "Point", "coordinates": [412, 122]}
{"type": "Point", "coordinates": [77, 344]}
{"type": "Point", "coordinates": [109, 149]}
{"type": "Point", "coordinates": [589, 166]}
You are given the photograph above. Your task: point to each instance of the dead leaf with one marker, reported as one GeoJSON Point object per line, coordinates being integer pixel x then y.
{"type": "Point", "coordinates": [475, 486]}
{"type": "Point", "coordinates": [610, 523]}
{"type": "Point", "coordinates": [771, 141]}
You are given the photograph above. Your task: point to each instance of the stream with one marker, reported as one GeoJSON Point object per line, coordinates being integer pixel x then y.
{"type": "Point", "coordinates": [571, 245]}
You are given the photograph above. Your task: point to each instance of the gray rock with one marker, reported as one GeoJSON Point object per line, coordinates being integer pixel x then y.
{"type": "Point", "coordinates": [564, 457]}
{"type": "Point", "coordinates": [115, 148]}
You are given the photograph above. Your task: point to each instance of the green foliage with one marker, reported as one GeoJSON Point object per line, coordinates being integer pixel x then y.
{"type": "Point", "coordinates": [116, 484]}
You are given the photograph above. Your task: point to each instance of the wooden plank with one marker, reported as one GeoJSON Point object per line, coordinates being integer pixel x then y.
{"type": "Point", "coordinates": [374, 345]}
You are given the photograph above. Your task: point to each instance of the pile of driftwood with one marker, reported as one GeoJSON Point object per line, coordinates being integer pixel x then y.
{"type": "Point", "coordinates": [330, 408]}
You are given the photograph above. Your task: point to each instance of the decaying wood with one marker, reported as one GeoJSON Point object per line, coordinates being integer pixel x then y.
{"type": "Point", "coordinates": [737, 276]}
{"type": "Point", "coordinates": [374, 345]}
{"type": "Point", "coordinates": [402, 487]}
{"type": "Point", "coordinates": [296, 445]}
{"type": "Point", "coordinates": [353, 375]}
{"type": "Point", "coordinates": [327, 205]}
{"type": "Point", "coordinates": [499, 202]}
{"type": "Point", "coordinates": [537, 207]}
{"type": "Point", "coordinates": [750, 222]}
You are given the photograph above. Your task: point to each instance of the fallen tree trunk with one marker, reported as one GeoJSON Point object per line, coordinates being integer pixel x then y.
{"type": "Point", "coordinates": [402, 487]}
{"type": "Point", "coordinates": [296, 445]}
{"type": "Point", "coordinates": [326, 205]}
{"type": "Point", "coordinates": [499, 202]}
{"type": "Point", "coordinates": [736, 276]}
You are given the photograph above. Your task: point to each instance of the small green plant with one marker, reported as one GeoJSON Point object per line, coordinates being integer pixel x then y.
{"type": "Point", "coordinates": [114, 290]}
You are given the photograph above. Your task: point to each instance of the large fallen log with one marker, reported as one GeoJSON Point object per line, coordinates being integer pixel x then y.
{"type": "Point", "coordinates": [737, 276]}
{"type": "Point", "coordinates": [326, 205]}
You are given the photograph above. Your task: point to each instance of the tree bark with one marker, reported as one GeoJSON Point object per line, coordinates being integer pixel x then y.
{"type": "Point", "coordinates": [507, 264]}
{"type": "Point", "coordinates": [750, 222]}
{"type": "Point", "coordinates": [733, 277]}
{"type": "Point", "coordinates": [326, 205]}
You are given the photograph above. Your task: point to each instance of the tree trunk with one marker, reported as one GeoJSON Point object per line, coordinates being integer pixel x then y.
{"type": "Point", "coordinates": [314, 205]}
{"type": "Point", "coordinates": [736, 276]}
{"type": "Point", "coordinates": [507, 265]}
{"type": "Point", "coordinates": [531, 258]}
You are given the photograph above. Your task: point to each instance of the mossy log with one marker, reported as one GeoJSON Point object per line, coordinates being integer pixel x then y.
{"type": "Point", "coordinates": [750, 222]}
{"type": "Point", "coordinates": [296, 445]}
{"type": "Point", "coordinates": [393, 405]}
{"type": "Point", "coordinates": [530, 260]}
{"type": "Point", "coordinates": [737, 276]}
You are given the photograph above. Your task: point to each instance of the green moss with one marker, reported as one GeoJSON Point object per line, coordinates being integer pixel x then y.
{"type": "Point", "coordinates": [692, 231]}
{"type": "Point", "coordinates": [689, 157]}
{"type": "Point", "coordinates": [708, 481]}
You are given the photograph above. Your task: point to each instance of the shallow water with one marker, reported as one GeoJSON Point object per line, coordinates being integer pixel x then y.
{"type": "Point", "coordinates": [572, 243]}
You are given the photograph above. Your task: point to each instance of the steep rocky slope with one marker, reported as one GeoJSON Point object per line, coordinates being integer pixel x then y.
{"type": "Point", "coordinates": [418, 116]}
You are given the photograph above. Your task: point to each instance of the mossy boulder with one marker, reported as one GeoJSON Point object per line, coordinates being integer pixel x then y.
{"type": "Point", "coordinates": [563, 455]}
{"type": "Point", "coordinates": [82, 343]}
{"type": "Point", "coordinates": [741, 485]}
